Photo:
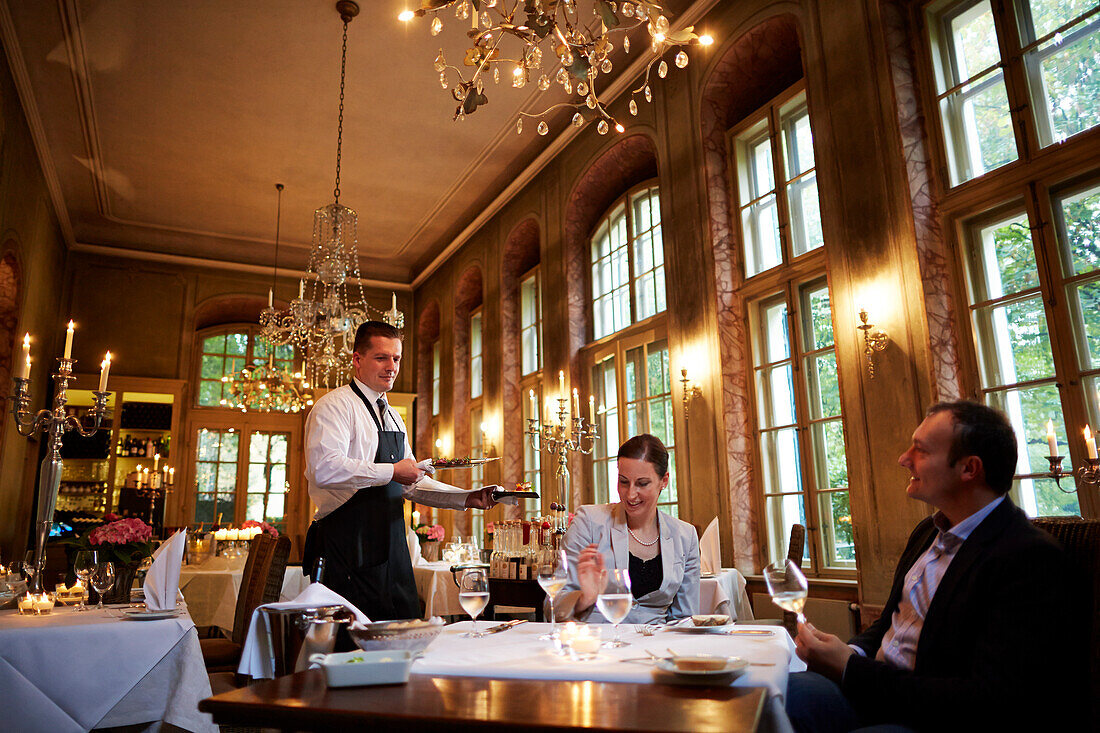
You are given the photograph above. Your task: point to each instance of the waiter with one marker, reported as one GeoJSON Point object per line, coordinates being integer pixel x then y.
{"type": "Point", "coordinates": [359, 469]}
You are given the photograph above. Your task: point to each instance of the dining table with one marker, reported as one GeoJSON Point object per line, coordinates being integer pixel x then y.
{"type": "Point", "coordinates": [211, 590]}
{"type": "Point", "coordinates": [72, 670]}
{"type": "Point", "coordinates": [483, 672]}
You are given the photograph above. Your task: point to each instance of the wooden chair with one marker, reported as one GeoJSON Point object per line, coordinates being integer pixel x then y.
{"type": "Point", "coordinates": [261, 583]}
{"type": "Point", "coordinates": [1081, 540]}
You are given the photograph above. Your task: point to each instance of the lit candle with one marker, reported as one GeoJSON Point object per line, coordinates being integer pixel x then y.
{"type": "Point", "coordinates": [561, 383]}
{"type": "Point", "coordinates": [534, 404]}
{"type": "Point", "coordinates": [301, 289]}
{"type": "Point", "coordinates": [165, 471]}
{"type": "Point", "coordinates": [145, 477]}
{"type": "Point", "coordinates": [43, 603]}
{"type": "Point", "coordinates": [26, 356]}
{"type": "Point", "coordinates": [591, 409]}
{"type": "Point", "coordinates": [26, 603]}
{"type": "Point", "coordinates": [171, 475]}
{"type": "Point", "coordinates": [576, 403]}
{"type": "Point", "coordinates": [221, 534]}
{"type": "Point", "coordinates": [1052, 441]}
{"type": "Point", "coordinates": [69, 340]}
{"type": "Point", "coordinates": [393, 302]}
{"type": "Point", "coordinates": [416, 518]}
{"type": "Point", "coordinates": [1090, 443]}
{"type": "Point", "coordinates": [104, 370]}
{"type": "Point", "coordinates": [270, 298]}
{"type": "Point", "coordinates": [156, 462]}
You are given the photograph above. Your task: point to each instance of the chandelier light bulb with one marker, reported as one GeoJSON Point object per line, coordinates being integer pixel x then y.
{"type": "Point", "coordinates": [619, 127]}
{"type": "Point", "coordinates": [406, 16]}
{"type": "Point", "coordinates": [706, 40]}
{"type": "Point", "coordinates": [659, 37]}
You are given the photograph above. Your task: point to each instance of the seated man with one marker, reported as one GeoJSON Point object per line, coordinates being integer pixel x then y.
{"type": "Point", "coordinates": [973, 635]}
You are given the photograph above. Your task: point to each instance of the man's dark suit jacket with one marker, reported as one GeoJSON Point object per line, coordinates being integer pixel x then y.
{"type": "Point", "coordinates": [995, 649]}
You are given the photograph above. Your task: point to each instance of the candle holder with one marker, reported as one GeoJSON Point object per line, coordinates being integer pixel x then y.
{"type": "Point", "coordinates": [53, 424]}
{"type": "Point", "coordinates": [567, 436]}
{"type": "Point", "coordinates": [1089, 474]}
{"type": "Point", "coordinates": [155, 489]}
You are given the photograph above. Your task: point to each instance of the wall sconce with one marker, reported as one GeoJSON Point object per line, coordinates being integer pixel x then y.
{"type": "Point", "coordinates": [486, 439]}
{"type": "Point", "coordinates": [690, 390]}
{"type": "Point", "coordinates": [872, 341]}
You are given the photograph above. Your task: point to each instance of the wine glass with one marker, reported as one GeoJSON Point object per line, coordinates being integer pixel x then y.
{"type": "Point", "coordinates": [30, 570]}
{"type": "Point", "coordinates": [552, 577]}
{"type": "Point", "coordinates": [103, 579]}
{"type": "Point", "coordinates": [787, 586]}
{"type": "Point", "coordinates": [83, 565]}
{"type": "Point", "coordinates": [473, 596]}
{"type": "Point", "coordinates": [615, 601]}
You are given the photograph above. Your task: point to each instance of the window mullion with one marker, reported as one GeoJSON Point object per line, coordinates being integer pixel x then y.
{"type": "Point", "coordinates": [628, 210]}
{"type": "Point", "coordinates": [802, 416]}
{"type": "Point", "coordinates": [1016, 86]}
{"type": "Point", "coordinates": [779, 167]}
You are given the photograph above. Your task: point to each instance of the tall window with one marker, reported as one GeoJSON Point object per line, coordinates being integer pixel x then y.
{"type": "Point", "coordinates": [777, 145]}
{"type": "Point", "coordinates": [799, 428]}
{"type": "Point", "coordinates": [1030, 371]}
{"type": "Point", "coordinates": [267, 478]}
{"type": "Point", "coordinates": [634, 374]}
{"type": "Point", "coordinates": [476, 383]}
{"type": "Point", "coordinates": [1052, 46]}
{"type": "Point", "coordinates": [530, 323]}
{"type": "Point", "coordinates": [627, 259]}
{"type": "Point", "coordinates": [225, 353]}
{"type": "Point", "coordinates": [216, 475]}
{"type": "Point", "coordinates": [437, 370]}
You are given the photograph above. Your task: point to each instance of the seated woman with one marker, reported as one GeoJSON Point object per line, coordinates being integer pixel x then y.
{"type": "Point", "coordinates": [660, 551]}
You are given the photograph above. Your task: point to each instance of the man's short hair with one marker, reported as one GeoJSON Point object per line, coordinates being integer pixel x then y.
{"type": "Point", "coordinates": [370, 329]}
{"type": "Point", "coordinates": [986, 433]}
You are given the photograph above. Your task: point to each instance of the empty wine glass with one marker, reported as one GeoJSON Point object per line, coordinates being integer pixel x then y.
{"type": "Point", "coordinates": [552, 577]}
{"type": "Point", "coordinates": [103, 579]}
{"type": "Point", "coordinates": [83, 565]}
{"type": "Point", "coordinates": [30, 570]}
{"type": "Point", "coordinates": [473, 596]}
{"type": "Point", "coordinates": [615, 601]}
{"type": "Point", "coordinates": [787, 586]}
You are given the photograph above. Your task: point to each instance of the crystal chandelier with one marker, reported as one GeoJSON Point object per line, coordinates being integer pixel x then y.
{"type": "Point", "coordinates": [578, 38]}
{"type": "Point", "coordinates": [264, 387]}
{"type": "Point", "coordinates": [323, 319]}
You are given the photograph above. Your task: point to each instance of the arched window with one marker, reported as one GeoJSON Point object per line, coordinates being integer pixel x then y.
{"type": "Point", "coordinates": [223, 351]}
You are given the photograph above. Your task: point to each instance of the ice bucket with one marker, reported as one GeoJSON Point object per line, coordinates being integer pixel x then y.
{"type": "Point", "coordinates": [295, 634]}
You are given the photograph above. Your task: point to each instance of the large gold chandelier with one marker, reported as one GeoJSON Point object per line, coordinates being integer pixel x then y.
{"type": "Point", "coordinates": [265, 387]}
{"type": "Point", "coordinates": [323, 319]}
{"type": "Point", "coordinates": [564, 42]}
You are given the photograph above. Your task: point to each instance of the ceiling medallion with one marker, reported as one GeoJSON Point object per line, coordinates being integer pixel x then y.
{"type": "Point", "coordinates": [513, 38]}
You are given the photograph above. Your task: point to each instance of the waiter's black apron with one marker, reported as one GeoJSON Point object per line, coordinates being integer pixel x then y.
{"type": "Point", "coordinates": [363, 541]}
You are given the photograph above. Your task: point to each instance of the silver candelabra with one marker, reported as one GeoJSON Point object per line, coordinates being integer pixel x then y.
{"type": "Point", "coordinates": [567, 436]}
{"type": "Point", "coordinates": [1089, 474]}
{"type": "Point", "coordinates": [54, 424]}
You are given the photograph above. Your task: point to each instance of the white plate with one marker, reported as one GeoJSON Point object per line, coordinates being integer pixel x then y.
{"type": "Point", "coordinates": [690, 628]}
{"type": "Point", "coordinates": [665, 670]}
{"type": "Point", "coordinates": [144, 614]}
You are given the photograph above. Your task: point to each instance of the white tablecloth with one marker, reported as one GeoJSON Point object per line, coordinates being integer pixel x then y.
{"type": "Point", "coordinates": [212, 593]}
{"type": "Point", "coordinates": [725, 593]}
{"type": "Point", "coordinates": [518, 654]}
{"type": "Point", "coordinates": [71, 671]}
{"type": "Point", "coordinates": [436, 587]}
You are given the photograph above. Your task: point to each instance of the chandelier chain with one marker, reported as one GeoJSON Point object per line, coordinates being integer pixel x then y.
{"type": "Point", "coordinates": [340, 123]}
{"type": "Point", "coordinates": [278, 218]}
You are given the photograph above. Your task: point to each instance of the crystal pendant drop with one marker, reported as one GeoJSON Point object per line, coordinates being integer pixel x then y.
{"type": "Point", "coordinates": [648, 94]}
{"type": "Point", "coordinates": [681, 60]}
{"type": "Point", "coordinates": [602, 127]}
{"type": "Point", "coordinates": [662, 69]}
{"type": "Point", "coordinates": [443, 79]}
{"type": "Point", "coordinates": [490, 3]}
{"type": "Point", "coordinates": [605, 66]}
{"type": "Point", "coordinates": [590, 100]}
{"type": "Point", "coordinates": [628, 10]}
{"type": "Point", "coordinates": [626, 44]}
{"type": "Point", "coordinates": [485, 19]}
{"type": "Point", "coordinates": [582, 88]}
{"type": "Point", "coordinates": [543, 128]}
{"type": "Point", "coordinates": [568, 86]}
{"type": "Point", "coordinates": [519, 126]}
{"type": "Point", "coordinates": [561, 76]}
{"type": "Point", "coordinates": [440, 62]}
{"type": "Point", "coordinates": [463, 10]}
{"type": "Point", "coordinates": [662, 24]}
{"type": "Point", "coordinates": [578, 120]}
{"type": "Point", "coordinates": [480, 86]}
{"type": "Point", "coordinates": [496, 75]}
{"type": "Point", "coordinates": [633, 108]}
{"type": "Point", "coordinates": [544, 83]}
{"type": "Point", "coordinates": [437, 26]}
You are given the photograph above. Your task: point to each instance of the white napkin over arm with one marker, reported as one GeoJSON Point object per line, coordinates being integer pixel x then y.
{"type": "Point", "coordinates": [257, 658]}
{"type": "Point", "coordinates": [710, 549]}
{"type": "Point", "coordinates": [414, 546]}
{"type": "Point", "coordinates": [162, 582]}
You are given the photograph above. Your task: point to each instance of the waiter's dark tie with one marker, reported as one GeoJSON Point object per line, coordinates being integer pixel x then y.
{"type": "Point", "coordinates": [381, 411]}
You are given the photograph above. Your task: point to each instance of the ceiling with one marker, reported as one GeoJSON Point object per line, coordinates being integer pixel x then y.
{"type": "Point", "coordinates": [163, 127]}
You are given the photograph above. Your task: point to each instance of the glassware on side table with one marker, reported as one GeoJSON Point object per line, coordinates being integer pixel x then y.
{"type": "Point", "coordinates": [473, 596]}
{"type": "Point", "coordinates": [787, 587]}
{"type": "Point", "coordinates": [552, 578]}
{"type": "Point", "coordinates": [83, 565]}
{"type": "Point", "coordinates": [615, 601]}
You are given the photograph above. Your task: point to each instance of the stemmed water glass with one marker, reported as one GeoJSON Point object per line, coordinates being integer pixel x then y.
{"type": "Point", "coordinates": [552, 578]}
{"type": "Point", "coordinates": [473, 596]}
{"type": "Point", "coordinates": [615, 601]}
{"type": "Point", "coordinates": [30, 569]}
{"type": "Point", "coordinates": [84, 565]}
{"type": "Point", "coordinates": [787, 586]}
{"type": "Point", "coordinates": [103, 579]}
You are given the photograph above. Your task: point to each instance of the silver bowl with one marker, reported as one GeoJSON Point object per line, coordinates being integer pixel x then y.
{"type": "Point", "coordinates": [413, 635]}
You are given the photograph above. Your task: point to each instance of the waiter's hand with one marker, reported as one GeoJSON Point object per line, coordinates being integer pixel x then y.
{"type": "Point", "coordinates": [481, 499]}
{"type": "Point", "coordinates": [406, 472]}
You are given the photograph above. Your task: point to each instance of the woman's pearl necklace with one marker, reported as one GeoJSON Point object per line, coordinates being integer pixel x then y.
{"type": "Point", "coordinates": [651, 543]}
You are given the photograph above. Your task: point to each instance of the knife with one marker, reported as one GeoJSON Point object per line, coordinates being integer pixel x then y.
{"type": "Point", "coordinates": [505, 626]}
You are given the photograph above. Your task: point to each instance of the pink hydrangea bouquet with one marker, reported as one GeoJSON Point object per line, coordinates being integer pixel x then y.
{"type": "Point", "coordinates": [429, 532]}
{"type": "Point", "coordinates": [264, 526]}
{"type": "Point", "coordinates": [125, 541]}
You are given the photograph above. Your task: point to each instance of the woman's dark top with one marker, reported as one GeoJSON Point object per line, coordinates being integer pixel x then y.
{"type": "Point", "coordinates": [645, 575]}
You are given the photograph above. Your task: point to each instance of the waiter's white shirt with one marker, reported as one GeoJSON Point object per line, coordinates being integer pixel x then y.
{"type": "Point", "coordinates": [341, 442]}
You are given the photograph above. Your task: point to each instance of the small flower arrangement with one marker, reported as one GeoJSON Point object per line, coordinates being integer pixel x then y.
{"type": "Point", "coordinates": [264, 526]}
{"type": "Point", "coordinates": [429, 532]}
{"type": "Point", "coordinates": [490, 529]}
{"type": "Point", "coordinates": [125, 541]}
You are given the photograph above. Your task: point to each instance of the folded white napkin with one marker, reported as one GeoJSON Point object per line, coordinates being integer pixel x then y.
{"type": "Point", "coordinates": [414, 547]}
{"type": "Point", "coordinates": [162, 582]}
{"type": "Point", "coordinates": [256, 658]}
{"type": "Point", "coordinates": [710, 551]}
{"type": "Point", "coordinates": [428, 483]}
